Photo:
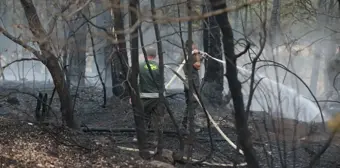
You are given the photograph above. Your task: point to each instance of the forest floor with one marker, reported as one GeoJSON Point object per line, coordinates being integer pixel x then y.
{"type": "Point", "coordinates": [24, 144]}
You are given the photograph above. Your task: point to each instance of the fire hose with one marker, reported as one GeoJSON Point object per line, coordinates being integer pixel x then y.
{"type": "Point", "coordinates": [204, 55]}
{"type": "Point", "coordinates": [224, 136]}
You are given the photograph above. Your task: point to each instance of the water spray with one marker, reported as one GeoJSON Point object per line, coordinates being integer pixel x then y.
{"type": "Point", "coordinates": [289, 91]}
{"type": "Point", "coordinates": [225, 137]}
{"type": "Point", "coordinates": [205, 56]}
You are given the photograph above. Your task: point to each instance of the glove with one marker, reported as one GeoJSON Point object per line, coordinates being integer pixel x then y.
{"type": "Point", "coordinates": [195, 51]}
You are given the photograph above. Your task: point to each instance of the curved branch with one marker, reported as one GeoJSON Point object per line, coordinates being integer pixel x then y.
{"type": "Point", "coordinates": [20, 60]}
{"type": "Point", "coordinates": [245, 49]}
{"type": "Point", "coordinates": [166, 19]}
{"type": "Point", "coordinates": [285, 68]}
{"type": "Point", "coordinates": [20, 42]}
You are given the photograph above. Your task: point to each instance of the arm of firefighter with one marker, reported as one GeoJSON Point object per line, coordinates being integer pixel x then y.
{"type": "Point", "coordinates": [200, 55]}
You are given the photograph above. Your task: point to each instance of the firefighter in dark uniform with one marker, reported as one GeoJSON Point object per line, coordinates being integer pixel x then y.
{"type": "Point", "coordinates": [149, 92]}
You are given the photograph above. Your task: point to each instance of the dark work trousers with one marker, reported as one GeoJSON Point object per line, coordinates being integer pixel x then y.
{"type": "Point", "coordinates": [196, 82]}
{"type": "Point", "coordinates": [154, 116]}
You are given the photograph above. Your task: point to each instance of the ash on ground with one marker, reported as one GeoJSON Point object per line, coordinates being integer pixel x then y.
{"type": "Point", "coordinates": [277, 142]}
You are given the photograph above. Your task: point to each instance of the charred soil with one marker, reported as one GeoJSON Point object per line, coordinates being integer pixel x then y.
{"type": "Point", "coordinates": [278, 142]}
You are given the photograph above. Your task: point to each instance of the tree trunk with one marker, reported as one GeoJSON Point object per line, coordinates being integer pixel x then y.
{"type": "Point", "coordinates": [245, 22]}
{"type": "Point", "coordinates": [206, 30]}
{"type": "Point", "coordinates": [161, 72]}
{"type": "Point", "coordinates": [65, 55]}
{"type": "Point", "coordinates": [328, 46]}
{"type": "Point", "coordinates": [105, 46]}
{"type": "Point", "coordinates": [137, 105]}
{"type": "Point", "coordinates": [315, 70]}
{"type": "Point", "coordinates": [237, 23]}
{"type": "Point", "coordinates": [275, 23]}
{"type": "Point", "coordinates": [274, 35]}
{"type": "Point", "coordinates": [120, 61]}
{"type": "Point", "coordinates": [332, 70]}
{"type": "Point", "coordinates": [63, 91]}
{"type": "Point", "coordinates": [77, 49]}
{"type": "Point", "coordinates": [317, 55]}
{"type": "Point", "coordinates": [212, 86]}
{"type": "Point", "coordinates": [243, 133]}
{"type": "Point", "coordinates": [5, 22]}
{"type": "Point", "coordinates": [51, 61]}
{"type": "Point", "coordinates": [191, 108]}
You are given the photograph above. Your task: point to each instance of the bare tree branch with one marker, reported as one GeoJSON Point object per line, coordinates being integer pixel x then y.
{"type": "Point", "coordinates": [20, 60]}
{"type": "Point", "coordinates": [20, 42]}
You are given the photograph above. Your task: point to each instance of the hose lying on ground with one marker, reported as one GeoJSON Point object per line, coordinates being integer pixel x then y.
{"type": "Point", "coordinates": [210, 118]}
{"type": "Point", "coordinates": [204, 163]}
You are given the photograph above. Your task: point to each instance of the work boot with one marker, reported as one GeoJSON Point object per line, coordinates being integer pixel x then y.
{"type": "Point", "coordinates": [185, 123]}
{"type": "Point", "coordinates": [200, 122]}
{"type": "Point", "coordinates": [134, 138]}
{"type": "Point", "coordinates": [197, 129]}
{"type": "Point", "coordinates": [152, 141]}
{"type": "Point", "coordinates": [185, 128]}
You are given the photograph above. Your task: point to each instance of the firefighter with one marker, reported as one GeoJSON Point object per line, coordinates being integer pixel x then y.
{"type": "Point", "coordinates": [149, 93]}
{"type": "Point", "coordinates": [196, 81]}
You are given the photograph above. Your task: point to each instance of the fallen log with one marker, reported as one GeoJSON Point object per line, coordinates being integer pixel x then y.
{"type": "Point", "coordinates": [132, 131]}
{"type": "Point", "coordinates": [120, 130]}
{"type": "Point", "coordinates": [212, 164]}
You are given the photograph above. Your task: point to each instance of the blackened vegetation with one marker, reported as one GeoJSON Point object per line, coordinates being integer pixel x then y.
{"type": "Point", "coordinates": [134, 91]}
{"type": "Point", "coordinates": [120, 60]}
{"type": "Point", "coordinates": [212, 85]}
{"type": "Point", "coordinates": [191, 106]}
{"type": "Point", "coordinates": [13, 101]}
{"type": "Point", "coordinates": [244, 137]}
{"type": "Point", "coordinates": [41, 110]}
{"type": "Point", "coordinates": [49, 59]}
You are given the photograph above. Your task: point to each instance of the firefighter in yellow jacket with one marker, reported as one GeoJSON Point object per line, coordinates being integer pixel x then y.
{"type": "Point", "coordinates": [149, 84]}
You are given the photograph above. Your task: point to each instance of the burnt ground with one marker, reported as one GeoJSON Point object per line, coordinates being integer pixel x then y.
{"type": "Point", "coordinates": [278, 143]}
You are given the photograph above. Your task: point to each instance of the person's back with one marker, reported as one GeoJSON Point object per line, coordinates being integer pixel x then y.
{"type": "Point", "coordinates": [149, 84]}
{"type": "Point", "coordinates": [149, 78]}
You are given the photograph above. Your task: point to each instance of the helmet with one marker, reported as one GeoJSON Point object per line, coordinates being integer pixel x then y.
{"type": "Point", "coordinates": [151, 51]}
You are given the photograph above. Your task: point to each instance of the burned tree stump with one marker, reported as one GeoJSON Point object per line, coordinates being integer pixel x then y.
{"type": "Point", "coordinates": [41, 110]}
{"type": "Point", "coordinates": [13, 101]}
{"type": "Point", "coordinates": [38, 107]}
{"type": "Point", "coordinates": [44, 112]}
